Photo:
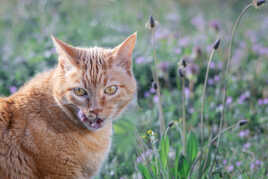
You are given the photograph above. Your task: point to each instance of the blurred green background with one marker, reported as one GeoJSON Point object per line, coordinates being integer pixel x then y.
{"type": "Point", "coordinates": [186, 28]}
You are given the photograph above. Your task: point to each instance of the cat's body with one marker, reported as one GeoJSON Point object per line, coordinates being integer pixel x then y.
{"type": "Point", "coordinates": [41, 137]}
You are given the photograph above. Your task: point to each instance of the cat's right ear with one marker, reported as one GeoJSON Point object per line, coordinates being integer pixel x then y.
{"type": "Point", "coordinates": [66, 52]}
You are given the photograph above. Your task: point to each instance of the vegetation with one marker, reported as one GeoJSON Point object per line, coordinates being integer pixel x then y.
{"type": "Point", "coordinates": [194, 116]}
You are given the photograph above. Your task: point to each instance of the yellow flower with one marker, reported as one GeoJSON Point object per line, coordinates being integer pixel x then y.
{"type": "Point", "coordinates": [150, 132]}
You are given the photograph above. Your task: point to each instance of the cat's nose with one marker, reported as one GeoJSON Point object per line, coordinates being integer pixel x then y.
{"type": "Point", "coordinates": [95, 111]}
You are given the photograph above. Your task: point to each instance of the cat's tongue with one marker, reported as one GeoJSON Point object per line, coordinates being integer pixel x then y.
{"type": "Point", "coordinates": [95, 123]}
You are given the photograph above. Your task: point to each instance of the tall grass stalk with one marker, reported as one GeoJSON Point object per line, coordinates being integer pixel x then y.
{"type": "Point", "coordinates": [200, 155]}
{"type": "Point", "coordinates": [215, 47]}
{"type": "Point", "coordinates": [183, 118]}
{"type": "Point", "coordinates": [227, 69]}
{"type": "Point", "coordinates": [156, 78]}
{"type": "Point", "coordinates": [225, 75]}
{"type": "Point", "coordinates": [181, 72]}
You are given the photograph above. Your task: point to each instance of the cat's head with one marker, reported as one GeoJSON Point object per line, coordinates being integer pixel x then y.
{"type": "Point", "coordinates": [94, 84]}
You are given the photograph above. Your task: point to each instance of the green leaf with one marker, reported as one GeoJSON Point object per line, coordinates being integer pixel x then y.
{"type": "Point", "coordinates": [183, 167]}
{"type": "Point", "coordinates": [164, 149]}
{"type": "Point", "coordinates": [192, 147]}
{"type": "Point", "coordinates": [176, 165]}
{"type": "Point", "coordinates": [144, 171]}
{"type": "Point", "coordinates": [154, 169]}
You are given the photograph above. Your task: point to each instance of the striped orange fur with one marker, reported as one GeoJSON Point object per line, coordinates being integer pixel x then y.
{"type": "Point", "coordinates": [59, 124]}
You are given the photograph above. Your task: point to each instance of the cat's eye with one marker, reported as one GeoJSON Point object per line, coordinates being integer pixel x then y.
{"type": "Point", "coordinates": [79, 92]}
{"type": "Point", "coordinates": [111, 90]}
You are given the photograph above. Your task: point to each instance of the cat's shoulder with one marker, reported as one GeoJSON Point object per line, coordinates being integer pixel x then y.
{"type": "Point", "coordinates": [6, 112]}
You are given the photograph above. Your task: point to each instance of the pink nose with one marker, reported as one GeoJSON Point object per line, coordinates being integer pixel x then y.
{"type": "Point", "coordinates": [95, 111]}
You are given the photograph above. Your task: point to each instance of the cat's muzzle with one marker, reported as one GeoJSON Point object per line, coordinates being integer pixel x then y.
{"type": "Point", "coordinates": [90, 123]}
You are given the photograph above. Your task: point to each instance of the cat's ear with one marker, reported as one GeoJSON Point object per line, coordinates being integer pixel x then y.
{"type": "Point", "coordinates": [68, 52]}
{"type": "Point", "coordinates": [123, 52]}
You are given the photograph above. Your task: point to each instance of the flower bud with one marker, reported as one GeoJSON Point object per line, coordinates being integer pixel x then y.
{"type": "Point", "coordinates": [242, 122]}
{"type": "Point", "coordinates": [258, 3]}
{"type": "Point", "coordinates": [154, 85]}
{"type": "Point", "coordinates": [183, 62]}
{"type": "Point", "coordinates": [217, 44]}
{"type": "Point", "coordinates": [152, 22]}
{"type": "Point", "coordinates": [170, 124]}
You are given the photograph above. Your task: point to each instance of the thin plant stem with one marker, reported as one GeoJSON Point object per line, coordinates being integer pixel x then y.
{"type": "Point", "coordinates": [204, 95]}
{"type": "Point", "coordinates": [215, 47]}
{"type": "Point", "coordinates": [228, 67]}
{"type": "Point", "coordinates": [156, 80]}
{"type": "Point", "coordinates": [183, 117]}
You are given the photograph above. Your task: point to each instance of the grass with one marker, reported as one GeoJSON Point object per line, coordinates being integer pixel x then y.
{"type": "Point", "coordinates": [186, 29]}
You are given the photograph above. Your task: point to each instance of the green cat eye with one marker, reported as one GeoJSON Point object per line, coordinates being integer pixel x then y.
{"type": "Point", "coordinates": [79, 92]}
{"type": "Point", "coordinates": [111, 90]}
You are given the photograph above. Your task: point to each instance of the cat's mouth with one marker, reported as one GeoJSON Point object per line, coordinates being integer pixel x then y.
{"type": "Point", "coordinates": [91, 124]}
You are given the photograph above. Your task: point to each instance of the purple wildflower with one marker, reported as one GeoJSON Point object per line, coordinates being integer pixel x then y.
{"type": "Point", "coordinates": [243, 97]}
{"type": "Point", "coordinates": [156, 99]}
{"type": "Point", "coordinates": [198, 22]}
{"type": "Point", "coordinates": [265, 101]}
{"type": "Point", "coordinates": [152, 90]}
{"type": "Point", "coordinates": [209, 47]}
{"type": "Point", "coordinates": [177, 50]}
{"type": "Point", "coordinates": [238, 163]}
{"type": "Point", "coordinates": [229, 100]}
{"type": "Point", "coordinates": [224, 162]}
{"type": "Point", "coordinates": [12, 89]}
{"type": "Point", "coordinates": [187, 93]}
{"type": "Point", "coordinates": [260, 102]}
{"type": "Point", "coordinates": [140, 60]}
{"type": "Point", "coordinates": [146, 94]}
{"type": "Point", "coordinates": [259, 49]}
{"type": "Point", "coordinates": [244, 133]}
{"type": "Point", "coordinates": [217, 78]}
{"type": "Point", "coordinates": [246, 146]}
{"type": "Point", "coordinates": [183, 42]}
{"type": "Point", "coordinates": [230, 168]}
{"type": "Point", "coordinates": [210, 81]}
{"type": "Point", "coordinates": [252, 166]}
{"type": "Point", "coordinates": [258, 162]}
{"type": "Point", "coordinates": [212, 65]}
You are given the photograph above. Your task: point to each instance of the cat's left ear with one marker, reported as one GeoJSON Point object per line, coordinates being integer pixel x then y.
{"type": "Point", "coordinates": [123, 52]}
{"type": "Point", "coordinates": [68, 52]}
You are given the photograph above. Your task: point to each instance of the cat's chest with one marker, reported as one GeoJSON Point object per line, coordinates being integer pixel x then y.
{"type": "Point", "coordinates": [94, 154]}
{"type": "Point", "coordinates": [77, 153]}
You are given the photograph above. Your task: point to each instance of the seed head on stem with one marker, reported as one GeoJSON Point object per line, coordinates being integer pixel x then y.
{"type": "Point", "coordinates": [258, 3]}
{"type": "Point", "coordinates": [151, 24]}
{"type": "Point", "coordinates": [182, 64]}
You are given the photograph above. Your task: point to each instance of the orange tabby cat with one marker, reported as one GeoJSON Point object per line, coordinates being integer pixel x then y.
{"type": "Point", "coordinates": [59, 125]}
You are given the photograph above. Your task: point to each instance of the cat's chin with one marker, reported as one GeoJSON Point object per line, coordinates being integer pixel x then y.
{"type": "Point", "coordinates": [90, 124]}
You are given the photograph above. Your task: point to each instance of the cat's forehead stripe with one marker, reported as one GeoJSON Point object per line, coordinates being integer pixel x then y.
{"type": "Point", "coordinates": [93, 65]}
